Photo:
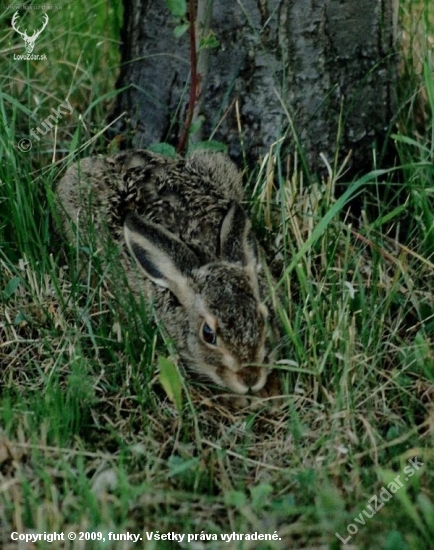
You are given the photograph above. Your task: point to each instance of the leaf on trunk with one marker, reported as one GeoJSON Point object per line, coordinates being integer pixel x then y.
{"type": "Point", "coordinates": [181, 29]}
{"type": "Point", "coordinates": [178, 8]}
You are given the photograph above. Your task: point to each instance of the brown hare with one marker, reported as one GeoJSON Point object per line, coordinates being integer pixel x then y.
{"type": "Point", "coordinates": [183, 223]}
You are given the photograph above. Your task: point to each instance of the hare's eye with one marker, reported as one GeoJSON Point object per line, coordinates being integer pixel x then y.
{"type": "Point", "coordinates": [209, 335]}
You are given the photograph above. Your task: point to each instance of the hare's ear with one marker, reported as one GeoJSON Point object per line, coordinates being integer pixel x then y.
{"type": "Point", "coordinates": [237, 242]}
{"type": "Point", "coordinates": [164, 258]}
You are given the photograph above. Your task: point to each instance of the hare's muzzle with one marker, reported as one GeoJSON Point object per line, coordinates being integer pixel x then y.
{"type": "Point", "coordinates": [253, 378]}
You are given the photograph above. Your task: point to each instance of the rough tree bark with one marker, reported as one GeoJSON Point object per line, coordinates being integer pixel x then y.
{"type": "Point", "coordinates": [299, 63]}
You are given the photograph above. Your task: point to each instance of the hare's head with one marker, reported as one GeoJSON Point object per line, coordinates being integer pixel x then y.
{"type": "Point", "coordinates": [223, 333]}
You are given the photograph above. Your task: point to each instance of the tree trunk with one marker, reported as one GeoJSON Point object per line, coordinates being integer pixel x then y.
{"type": "Point", "coordinates": [305, 68]}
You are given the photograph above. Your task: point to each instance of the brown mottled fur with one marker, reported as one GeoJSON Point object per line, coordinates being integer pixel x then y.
{"type": "Point", "coordinates": [182, 221]}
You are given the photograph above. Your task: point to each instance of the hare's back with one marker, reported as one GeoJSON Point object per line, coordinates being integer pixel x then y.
{"type": "Point", "coordinates": [186, 201]}
{"type": "Point", "coordinates": [188, 197]}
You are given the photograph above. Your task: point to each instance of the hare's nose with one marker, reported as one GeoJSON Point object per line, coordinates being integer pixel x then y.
{"type": "Point", "coordinates": [253, 377]}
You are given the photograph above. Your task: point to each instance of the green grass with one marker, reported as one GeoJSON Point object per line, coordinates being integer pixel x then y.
{"type": "Point", "coordinates": [90, 440]}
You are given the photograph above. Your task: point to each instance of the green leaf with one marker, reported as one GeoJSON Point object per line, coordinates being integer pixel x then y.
{"type": "Point", "coordinates": [178, 8]}
{"type": "Point", "coordinates": [235, 498]}
{"type": "Point", "coordinates": [163, 149]}
{"type": "Point", "coordinates": [181, 29]}
{"type": "Point", "coordinates": [209, 42]}
{"type": "Point", "coordinates": [210, 145]}
{"type": "Point", "coordinates": [171, 381]}
{"type": "Point", "coordinates": [11, 287]}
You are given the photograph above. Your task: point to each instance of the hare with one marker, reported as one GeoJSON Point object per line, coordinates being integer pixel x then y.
{"type": "Point", "coordinates": [182, 222]}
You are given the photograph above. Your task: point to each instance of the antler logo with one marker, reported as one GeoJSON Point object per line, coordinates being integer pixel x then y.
{"type": "Point", "coordinates": [29, 40]}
